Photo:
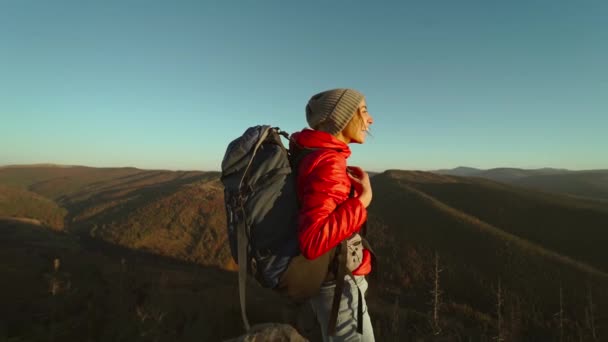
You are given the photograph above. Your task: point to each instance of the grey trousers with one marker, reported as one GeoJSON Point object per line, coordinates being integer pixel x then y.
{"type": "Point", "coordinates": [346, 327]}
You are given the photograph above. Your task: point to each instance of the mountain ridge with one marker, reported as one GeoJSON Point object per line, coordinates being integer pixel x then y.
{"type": "Point", "coordinates": [591, 184]}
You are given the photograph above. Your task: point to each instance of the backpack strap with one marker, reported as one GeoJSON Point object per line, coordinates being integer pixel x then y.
{"type": "Point", "coordinates": [242, 261]}
{"type": "Point", "coordinates": [341, 274]}
{"type": "Point", "coordinates": [242, 241]}
{"type": "Point", "coordinates": [261, 140]}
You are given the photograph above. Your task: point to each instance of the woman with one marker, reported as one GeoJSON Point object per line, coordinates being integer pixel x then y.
{"type": "Point", "coordinates": [330, 212]}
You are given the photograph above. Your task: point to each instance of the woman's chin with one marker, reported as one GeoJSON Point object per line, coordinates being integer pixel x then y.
{"type": "Point", "coordinates": [362, 138]}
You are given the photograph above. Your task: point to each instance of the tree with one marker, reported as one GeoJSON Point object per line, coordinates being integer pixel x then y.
{"type": "Point", "coordinates": [395, 325]}
{"type": "Point", "coordinates": [499, 301]}
{"type": "Point", "coordinates": [560, 313]}
{"type": "Point", "coordinates": [436, 293]}
{"type": "Point", "coordinates": [590, 314]}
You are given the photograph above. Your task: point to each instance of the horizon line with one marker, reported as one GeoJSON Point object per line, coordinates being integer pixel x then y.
{"type": "Point", "coordinates": [373, 171]}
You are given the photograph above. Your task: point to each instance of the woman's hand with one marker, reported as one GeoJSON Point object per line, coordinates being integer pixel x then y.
{"type": "Point", "coordinates": [360, 180]}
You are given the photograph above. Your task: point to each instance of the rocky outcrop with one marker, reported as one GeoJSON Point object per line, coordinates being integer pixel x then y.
{"type": "Point", "coordinates": [270, 332]}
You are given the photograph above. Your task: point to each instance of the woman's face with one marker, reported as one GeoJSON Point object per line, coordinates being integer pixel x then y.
{"type": "Point", "coordinates": [357, 128]}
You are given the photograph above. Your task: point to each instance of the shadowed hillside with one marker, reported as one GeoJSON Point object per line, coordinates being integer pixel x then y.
{"type": "Point", "coordinates": [410, 222]}
{"type": "Point", "coordinates": [574, 228]}
{"type": "Point", "coordinates": [102, 292]}
{"type": "Point", "coordinates": [483, 236]}
{"type": "Point", "coordinates": [590, 184]}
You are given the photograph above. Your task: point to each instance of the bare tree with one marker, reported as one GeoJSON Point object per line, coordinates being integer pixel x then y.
{"type": "Point", "coordinates": [590, 314]}
{"type": "Point", "coordinates": [561, 313]}
{"type": "Point", "coordinates": [395, 325]}
{"type": "Point", "coordinates": [436, 292]}
{"type": "Point", "coordinates": [515, 319]}
{"type": "Point", "coordinates": [54, 289]}
{"type": "Point", "coordinates": [499, 301]}
{"type": "Point", "coordinates": [123, 268]}
{"type": "Point", "coordinates": [579, 330]}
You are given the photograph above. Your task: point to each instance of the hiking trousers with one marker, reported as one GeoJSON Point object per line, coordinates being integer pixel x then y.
{"type": "Point", "coordinates": [346, 326]}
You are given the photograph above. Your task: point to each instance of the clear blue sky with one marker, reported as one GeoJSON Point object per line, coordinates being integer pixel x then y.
{"type": "Point", "coordinates": [168, 84]}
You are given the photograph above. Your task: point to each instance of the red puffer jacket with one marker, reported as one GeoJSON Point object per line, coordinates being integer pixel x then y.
{"type": "Point", "coordinates": [327, 214]}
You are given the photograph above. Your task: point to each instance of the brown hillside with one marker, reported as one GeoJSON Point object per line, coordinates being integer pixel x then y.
{"type": "Point", "coordinates": [413, 217]}
{"type": "Point", "coordinates": [189, 224]}
{"type": "Point", "coordinates": [586, 184]}
{"type": "Point", "coordinates": [575, 228]}
{"type": "Point", "coordinates": [15, 202]}
{"type": "Point", "coordinates": [63, 179]}
{"type": "Point", "coordinates": [408, 226]}
{"type": "Point", "coordinates": [103, 292]}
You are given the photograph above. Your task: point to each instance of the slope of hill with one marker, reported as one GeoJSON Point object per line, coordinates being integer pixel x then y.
{"type": "Point", "coordinates": [483, 234]}
{"type": "Point", "coordinates": [56, 181]}
{"type": "Point", "coordinates": [411, 219]}
{"type": "Point", "coordinates": [15, 202]}
{"type": "Point", "coordinates": [188, 222]}
{"type": "Point", "coordinates": [102, 292]}
{"type": "Point", "coordinates": [587, 184]}
{"type": "Point", "coordinates": [176, 214]}
{"type": "Point", "coordinates": [572, 227]}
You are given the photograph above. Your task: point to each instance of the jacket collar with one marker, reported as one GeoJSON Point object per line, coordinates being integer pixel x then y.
{"type": "Point", "coordinates": [309, 138]}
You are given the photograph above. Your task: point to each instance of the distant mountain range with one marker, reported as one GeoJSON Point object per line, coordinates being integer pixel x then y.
{"type": "Point", "coordinates": [587, 183]}
{"type": "Point", "coordinates": [120, 232]}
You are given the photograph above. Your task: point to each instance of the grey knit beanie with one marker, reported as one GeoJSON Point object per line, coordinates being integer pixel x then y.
{"type": "Point", "coordinates": [331, 110]}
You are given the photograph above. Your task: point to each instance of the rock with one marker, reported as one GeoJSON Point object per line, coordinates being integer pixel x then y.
{"type": "Point", "coordinates": [274, 332]}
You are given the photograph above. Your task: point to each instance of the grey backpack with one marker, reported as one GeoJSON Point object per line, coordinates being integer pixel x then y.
{"type": "Point", "coordinates": [258, 174]}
